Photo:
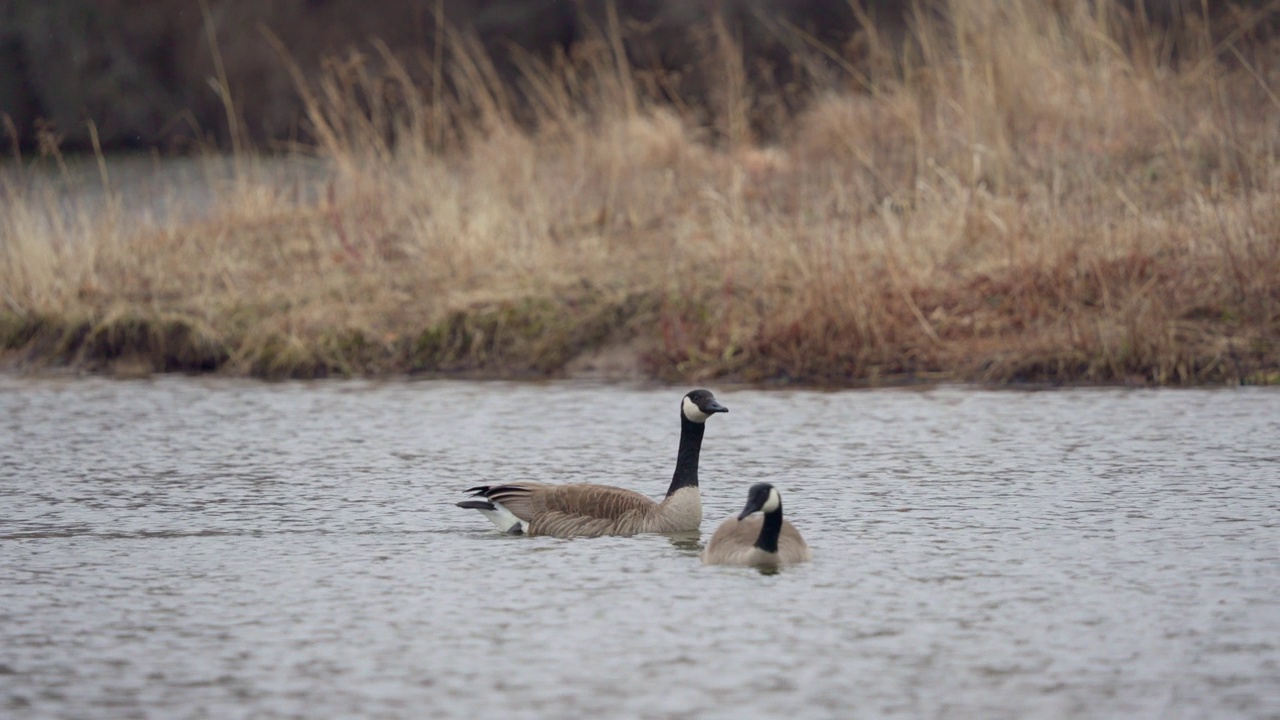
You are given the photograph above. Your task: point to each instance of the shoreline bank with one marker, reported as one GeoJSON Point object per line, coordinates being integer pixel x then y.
{"type": "Point", "coordinates": [1022, 196]}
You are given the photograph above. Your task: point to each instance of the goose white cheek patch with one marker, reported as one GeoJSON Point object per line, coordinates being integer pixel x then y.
{"type": "Point", "coordinates": [773, 502]}
{"type": "Point", "coordinates": [693, 412]}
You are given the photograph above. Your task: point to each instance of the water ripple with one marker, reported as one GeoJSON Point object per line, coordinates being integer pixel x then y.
{"type": "Point", "coordinates": [214, 548]}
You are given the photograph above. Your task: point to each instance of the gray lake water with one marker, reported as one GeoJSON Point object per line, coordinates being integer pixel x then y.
{"type": "Point", "coordinates": [192, 548]}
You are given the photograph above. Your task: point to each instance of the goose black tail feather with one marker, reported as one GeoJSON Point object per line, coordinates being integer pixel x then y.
{"type": "Point", "coordinates": [489, 491]}
{"type": "Point", "coordinates": [475, 505]}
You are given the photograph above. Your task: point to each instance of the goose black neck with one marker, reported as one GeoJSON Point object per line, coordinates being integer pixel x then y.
{"type": "Point", "coordinates": [686, 474]}
{"type": "Point", "coordinates": [768, 540]}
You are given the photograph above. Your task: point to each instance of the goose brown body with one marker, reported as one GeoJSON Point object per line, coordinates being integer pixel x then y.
{"type": "Point", "coordinates": [734, 544]}
{"type": "Point", "coordinates": [587, 510]}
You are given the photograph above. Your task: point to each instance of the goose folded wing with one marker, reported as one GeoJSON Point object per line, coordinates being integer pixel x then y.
{"type": "Point", "coordinates": [531, 500]}
{"type": "Point", "coordinates": [594, 501]}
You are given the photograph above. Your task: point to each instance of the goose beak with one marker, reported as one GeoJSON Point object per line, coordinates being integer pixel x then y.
{"type": "Point", "coordinates": [750, 508]}
{"type": "Point", "coordinates": [714, 407]}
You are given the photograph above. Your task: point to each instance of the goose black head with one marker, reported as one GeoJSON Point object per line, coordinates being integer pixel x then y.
{"type": "Point", "coordinates": [762, 497]}
{"type": "Point", "coordinates": [699, 405]}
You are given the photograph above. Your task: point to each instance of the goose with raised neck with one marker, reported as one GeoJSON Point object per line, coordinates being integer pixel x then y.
{"type": "Point", "coordinates": [586, 509]}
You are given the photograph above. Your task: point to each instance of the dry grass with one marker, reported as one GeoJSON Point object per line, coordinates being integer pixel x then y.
{"type": "Point", "coordinates": [1017, 195]}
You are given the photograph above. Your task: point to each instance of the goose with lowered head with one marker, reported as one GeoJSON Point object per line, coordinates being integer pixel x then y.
{"type": "Point", "coordinates": [764, 540]}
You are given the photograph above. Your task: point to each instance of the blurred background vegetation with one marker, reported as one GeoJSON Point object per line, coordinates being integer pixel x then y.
{"type": "Point", "coordinates": [854, 192]}
{"type": "Point", "coordinates": [146, 75]}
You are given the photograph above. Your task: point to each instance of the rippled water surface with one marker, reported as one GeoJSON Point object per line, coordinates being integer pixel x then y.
{"type": "Point", "coordinates": [208, 548]}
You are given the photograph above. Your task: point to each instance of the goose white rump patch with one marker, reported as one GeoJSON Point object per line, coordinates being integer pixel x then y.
{"type": "Point", "coordinates": [506, 520]}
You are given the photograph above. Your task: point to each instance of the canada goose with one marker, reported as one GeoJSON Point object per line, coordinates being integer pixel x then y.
{"type": "Point", "coordinates": [765, 540]}
{"type": "Point", "coordinates": [583, 509]}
